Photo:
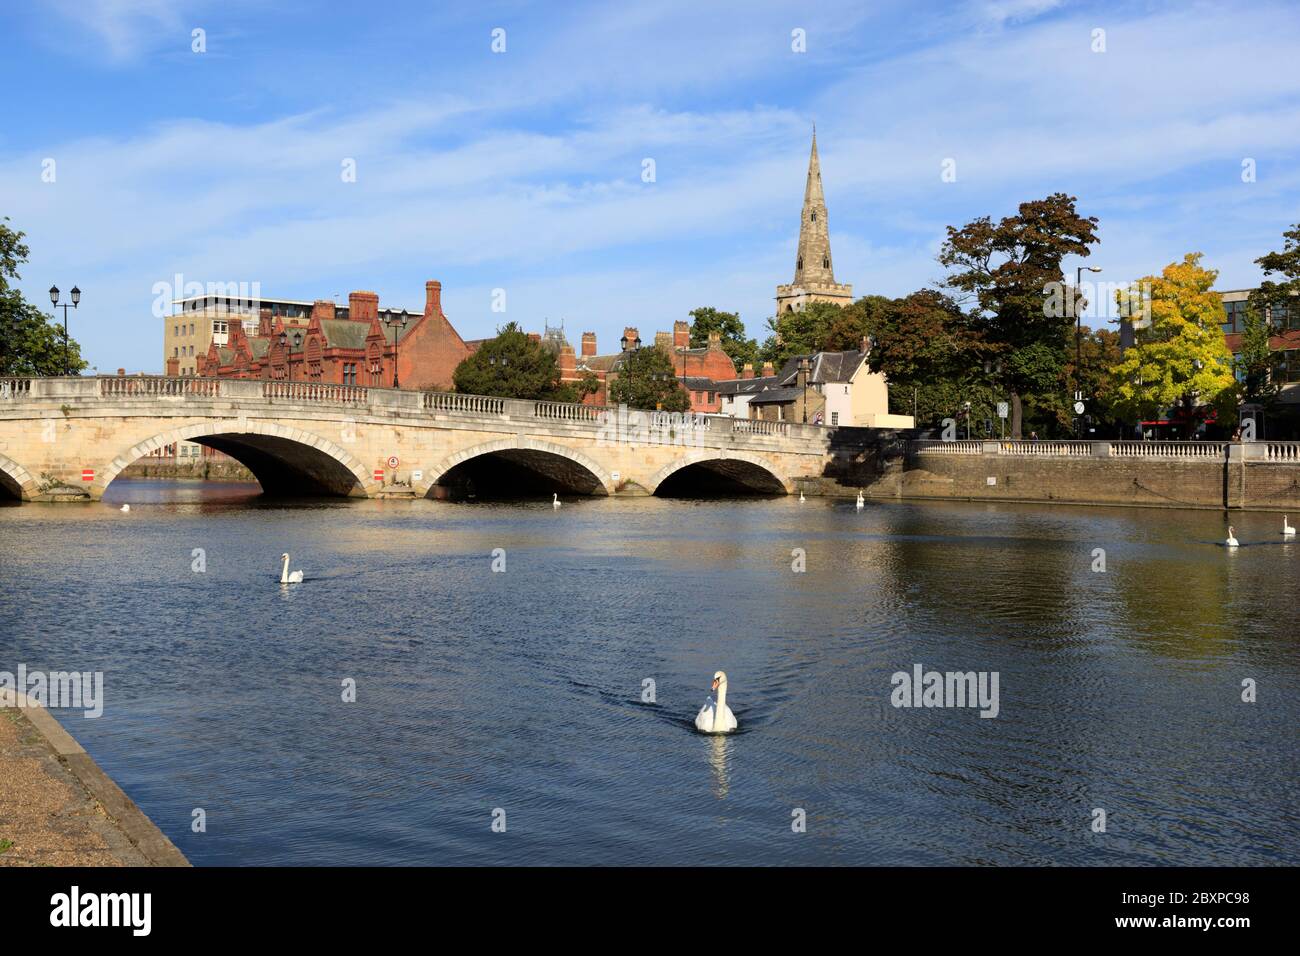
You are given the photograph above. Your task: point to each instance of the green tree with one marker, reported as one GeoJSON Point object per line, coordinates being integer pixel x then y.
{"type": "Point", "coordinates": [29, 343]}
{"type": "Point", "coordinates": [1285, 263]}
{"type": "Point", "coordinates": [1254, 363]}
{"type": "Point", "coordinates": [799, 332]}
{"type": "Point", "coordinates": [647, 380]}
{"type": "Point", "coordinates": [1009, 272]}
{"type": "Point", "coordinates": [1181, 359]}
{"type": "Point", "coordinates": [513, 365]}
{"type": "Point", "coordinates": [739, 349]}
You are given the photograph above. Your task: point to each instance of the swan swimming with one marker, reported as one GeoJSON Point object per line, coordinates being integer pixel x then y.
{"type": "Point", "coordinates": [1232, 541]}
{"type": "Point", "coordinates": [286, 576]}
{"type": "Point", "coordinates": [555, 500]}
{"type": "Point", "coordinates": [860, 501]}
{"type": "Point", "coordinates": [801, 497]}
{"type": "Point", "coordinates": [716, 718]}
{"type": "Point", "coordinates": [125, 508]}
{"type": "Point", "coordinates": [1287, 530]}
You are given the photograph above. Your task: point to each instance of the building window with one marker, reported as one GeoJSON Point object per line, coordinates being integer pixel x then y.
{"type": "Point", "coordinates": [814, 216]}
{"type": "Point", "coordinates": [826, 262]}
{"type": "Point", "coordinates": [1286, 366]}
{"type": "Point", "coordinates": [835, 418]}
{"type": "Point", "coordinates": [800, 264]}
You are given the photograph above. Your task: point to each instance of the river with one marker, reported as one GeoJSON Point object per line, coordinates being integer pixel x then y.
{"type": "Point", "coordinates": [556, 698]}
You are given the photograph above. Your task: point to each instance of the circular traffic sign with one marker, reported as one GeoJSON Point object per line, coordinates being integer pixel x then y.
{"type": "Point", "coordinates": [1078, 410]}
{"type": "Point", "coordinates": [392, 461]}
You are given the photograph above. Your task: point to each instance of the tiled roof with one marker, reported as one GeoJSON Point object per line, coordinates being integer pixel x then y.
{"type": "Point", "coordinates": [826, 367]}
{"type": "Point", "coordinates": [746, 386]}
{"type": "Point", "coordinates": [776, 396]}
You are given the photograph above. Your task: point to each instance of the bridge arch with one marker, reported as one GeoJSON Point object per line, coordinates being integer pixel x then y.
{"type": "Point", "coordinates": [577, 472]}
{"type": "Point", "coordinates": [16, 481]}
{"type": "Point", "coordinates": [284, 460]}
{"type": "Point", "coordinates": [745, 472]}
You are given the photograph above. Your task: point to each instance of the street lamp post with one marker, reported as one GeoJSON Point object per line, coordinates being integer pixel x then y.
{"type": "Point", "coordinates": [397, 321]}
{"type": "Point", "coordinates": [1078, 349]}
{"type": "Point", "coordinates": [805, 367]}
{"type": "Point", "coordinates": [76, 300]}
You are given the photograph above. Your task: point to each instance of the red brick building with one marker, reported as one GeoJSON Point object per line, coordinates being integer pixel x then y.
{"type": "Point", "coordinates": [357, 345]}
{"type": "Point", "coordinates": [698, 369]}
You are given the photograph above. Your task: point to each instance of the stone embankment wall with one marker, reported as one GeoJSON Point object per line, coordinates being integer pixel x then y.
{"type": "Point", "coordinates": [1262, 476]}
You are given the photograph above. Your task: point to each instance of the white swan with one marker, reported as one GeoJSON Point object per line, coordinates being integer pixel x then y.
{"type": "Point", "coordinates": [124, 509]}
{"type": "Point", "coordinates": [286, 576]}
{"type": "Point", "coordinates": [1287, 530]}
{"type": "Point", "coordinates": [555, 500]}
{"type": "Point", "coordinates": [801, 497]}
{"type": "Point", "coordinates": [860, 501]}
{"type": "Point", "coordinates": [716, 718]}
{"type": "Point", "coordinates": [1232, 541]}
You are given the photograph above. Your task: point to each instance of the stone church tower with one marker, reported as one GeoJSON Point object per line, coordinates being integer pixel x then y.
{"type": "Point", "coordinates": [814, 279]}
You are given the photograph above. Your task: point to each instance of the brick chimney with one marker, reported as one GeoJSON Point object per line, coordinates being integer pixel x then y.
{"type": "Point", "coordinates": [632, 336]}
{"type": "Point", "coordinates": [363, 306]}
{"type": "Point", "coordinates": [433, 297]}
{"type": "Point", "coordinates": [768, 370]}
{"type": "Point", "coordinates": [801, 374]}
{"type": "Point", "coordinates": [568, 363]}
{"type": "Point", "coordinates": [321, 309]}
{"type": "Point", "coordinates": [681, 335]}
{"type": "Point", "coordinates": [715, 341]}
{"type": "Point", "coordinates": [747, 371]}
{"type": "Point", "coordinates": [663, 341]}
{"type": "Point", "coordinates": [588, 343]}
{"type": "Point", "coordinates": [173, 367]}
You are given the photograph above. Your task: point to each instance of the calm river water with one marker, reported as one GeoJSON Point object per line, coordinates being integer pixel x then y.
{"type": "Point", "coordinates": [523, 690]}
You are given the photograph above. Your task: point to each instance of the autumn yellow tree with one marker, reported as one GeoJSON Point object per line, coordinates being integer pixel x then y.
{"type": "Point", "coordinates": [1180, 359]}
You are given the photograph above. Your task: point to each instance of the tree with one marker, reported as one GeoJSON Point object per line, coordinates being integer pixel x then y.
{"type": "Point", "coordinates": [739, 349]}
{"type": "Point", "coordinates": [1254, 363]}
{"type": "Point", "coordinates": [1181, 361]}
{"type": "Point", "coordinates": [799, 332]}
{"type": "Point", "coordinates": [513, 365]}
{"type": "Point", "coordinates": [29, 343]}
{"type": "Point", "coordinates": [1285, 263]}
{"type": "Point", "coordinates": [1009, 271]}
{"type": "Point", "coordinates": [647, 380]}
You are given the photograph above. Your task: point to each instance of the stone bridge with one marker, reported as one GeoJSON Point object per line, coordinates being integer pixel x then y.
{"type": "Point", "coordinates": [68, 438]}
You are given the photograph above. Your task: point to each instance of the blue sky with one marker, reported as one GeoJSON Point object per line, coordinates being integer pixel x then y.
{"type": "Point", "coordinates": [522, 170]}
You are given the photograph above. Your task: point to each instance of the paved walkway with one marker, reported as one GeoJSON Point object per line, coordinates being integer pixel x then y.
{"type": "Point", "coordinates": [57, 808]}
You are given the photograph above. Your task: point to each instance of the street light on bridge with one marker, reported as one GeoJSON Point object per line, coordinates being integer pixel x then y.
{"type": "Point", "coordinates": [76, 300]}
{"type": "Point", "coordinates": [397, 321]}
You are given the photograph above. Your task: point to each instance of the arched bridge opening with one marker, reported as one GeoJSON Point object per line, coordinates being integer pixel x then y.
{"type": "Point", "coordinates": [515, 474]}
{"type": "Point", "coordinates": [285, 465]}
{"type": "Point", "coordinates": [720, 478]}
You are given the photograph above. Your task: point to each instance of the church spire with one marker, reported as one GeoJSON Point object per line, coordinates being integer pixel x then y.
{"type": "Point", "coordinates": [813, 261]}
{"type": "Point", "coordinates": [814, 277]}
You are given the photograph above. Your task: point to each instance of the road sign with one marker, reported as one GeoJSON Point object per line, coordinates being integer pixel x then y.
{"type": "Point", "coordinates": [1003, 409]}
{"type": "Point", "coordinates": [1078, 408]}
{"type": "Point", "coordinates": [379, 474]}
{"type": "Point", "coordinates": [88, 474]}
{"type": "Point", "coordinates": [417, 476]}
{"type": "Point", "coordinates": [392, 461]}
